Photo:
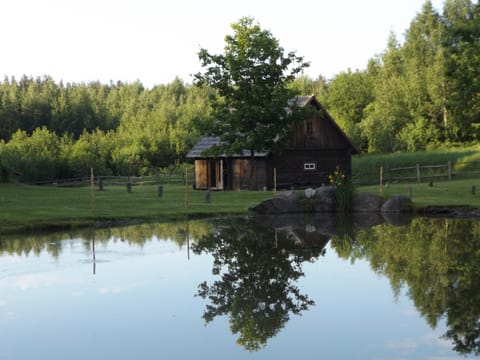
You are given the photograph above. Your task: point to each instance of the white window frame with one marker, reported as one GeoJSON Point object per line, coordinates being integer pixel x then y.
{"type": "Point", "coordinates": [309, 166]}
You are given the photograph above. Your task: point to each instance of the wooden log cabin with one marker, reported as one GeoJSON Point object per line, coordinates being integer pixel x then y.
{"type": "Point", "coordinates": [314, 148]}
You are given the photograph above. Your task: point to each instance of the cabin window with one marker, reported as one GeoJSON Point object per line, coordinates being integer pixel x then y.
{"type": "Point", "coordinates": [309, 166]}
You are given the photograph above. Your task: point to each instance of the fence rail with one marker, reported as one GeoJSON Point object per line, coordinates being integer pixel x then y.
{"type": "Point", "coordinates": [420, 173]}
{"type": "Point", "coordinates": [118, 180]}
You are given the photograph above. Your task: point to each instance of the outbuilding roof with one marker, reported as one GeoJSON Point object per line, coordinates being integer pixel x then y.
{"type": "Point", "coordinates": [206, 142]}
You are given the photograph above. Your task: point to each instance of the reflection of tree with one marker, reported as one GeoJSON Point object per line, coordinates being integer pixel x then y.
{"type": "Point", "coordinates": [258, 268]}
{"type": "Point", "coordinates": [438, 261]}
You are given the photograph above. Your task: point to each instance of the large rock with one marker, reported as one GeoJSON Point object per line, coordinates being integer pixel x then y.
{"type": "Point", "coordinates": [366, 202]}
{"type": "Point", "coordinates": [325, 199]}
{"type": "Point", "coordinates": [285, 202]}
{"type": "Point", "coordinates": [397, 204]}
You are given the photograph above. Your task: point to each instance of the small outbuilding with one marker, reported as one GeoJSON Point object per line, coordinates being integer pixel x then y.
{"type": "Point", "coordinates": [312, 151]}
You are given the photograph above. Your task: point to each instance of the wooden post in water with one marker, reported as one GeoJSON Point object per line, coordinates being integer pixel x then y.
{"type": "Point", "coordinates": [186, 187]}
{"type": "Point", "coordinates": [93, 252]}
{"type": "Point", "coordinates": [92, 190]}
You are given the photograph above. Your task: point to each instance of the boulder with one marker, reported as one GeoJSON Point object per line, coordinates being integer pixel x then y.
{"type": "Point", "coordinates": [285, 202]}
{"type": "Point", "coordinates": [397, 204]}
{"type": "Point", "coordinates": [366, 202]}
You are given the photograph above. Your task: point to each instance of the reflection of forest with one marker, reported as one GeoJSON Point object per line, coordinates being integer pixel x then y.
{"type": "Point", "coordinates": [141, 234]}
{"type": "Point", "coordinates": [437, 261]}
{"type": "Point", "coordinates": [259, 260]}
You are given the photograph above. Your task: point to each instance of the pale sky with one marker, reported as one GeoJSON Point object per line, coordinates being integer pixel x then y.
{"type": "Point", "coordinates": [154, 41]}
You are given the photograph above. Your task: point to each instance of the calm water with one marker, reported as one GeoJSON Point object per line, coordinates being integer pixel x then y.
{"type": "Point", "coordinates": [238, 288]}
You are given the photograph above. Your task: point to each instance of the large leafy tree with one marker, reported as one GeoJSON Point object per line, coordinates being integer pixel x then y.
{"type": "Point", "coordinates": [348, 95]}
{"type": "Point", "coordinates": [424, 80]}
{"type": "Point", "coordinates": [462, 43]}
{"type": "Point", "coordinates": [251, 94]}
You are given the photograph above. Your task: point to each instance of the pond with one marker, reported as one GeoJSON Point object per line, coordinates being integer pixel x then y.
{"type": "Point", "coordinates": [245, 288]}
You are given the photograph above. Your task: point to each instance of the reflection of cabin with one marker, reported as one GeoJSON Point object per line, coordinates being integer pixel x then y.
{"type": "Point", "coordinates": [313, 150]}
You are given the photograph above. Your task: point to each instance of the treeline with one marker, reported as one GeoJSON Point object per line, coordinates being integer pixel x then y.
{"type": "Point", "coordinates": [50, 130]}
{"type": "Point", "coordinates": [416, 95]}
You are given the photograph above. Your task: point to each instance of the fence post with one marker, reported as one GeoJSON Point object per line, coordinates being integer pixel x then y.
{"type": "Point", "coordinates": [381, 180]}
{"type": "Point", "coordinates": [160, 191]}
{"type": "Point", "coordinates": [419, 178]}
{"type": "Point", "coordinates": [274, 181]}
{"type": "Point", "coordinates": [100, 184]}
{"type": "Point", "coordinates": [129, 185]}
{"type": "Point", "coordinates": [449, 165]}
{"type": "Point", "coordinates": [208, 196]}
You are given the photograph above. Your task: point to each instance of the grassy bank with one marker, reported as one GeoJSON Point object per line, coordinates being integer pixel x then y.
{"type": "Point", "coordinates": [25, 207]}
{"type": "Point", "coordinates": [40, 207]}
{"type": "Point", "coordinates": [463, 160]}
{"type": "Point", "coordinates": [444, 193]}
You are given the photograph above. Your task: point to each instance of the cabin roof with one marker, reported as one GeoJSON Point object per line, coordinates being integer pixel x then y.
{"type": "Point", "coordinates": [206, 142]}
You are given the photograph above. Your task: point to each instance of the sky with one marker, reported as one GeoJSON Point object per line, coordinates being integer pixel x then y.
{"type": "Point", "coordinates": [154, 41]}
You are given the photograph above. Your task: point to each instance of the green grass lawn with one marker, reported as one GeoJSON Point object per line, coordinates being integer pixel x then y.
{"type": "Point", "coordinates": [25, 207]}
{"type": "Point", "coordinates": [35, 207]}
{"type": "Point", "coordinates": [444, 193]}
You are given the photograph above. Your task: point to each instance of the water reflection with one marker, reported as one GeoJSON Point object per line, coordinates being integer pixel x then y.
{"type": "Point", "coordinates": [258, 263]}
{"type": "Point", "coordinates": [258, 268]}
{"type": "Point", "coordinates": [437, 260]}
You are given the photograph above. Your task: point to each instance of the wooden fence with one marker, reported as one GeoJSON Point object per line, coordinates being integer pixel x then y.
{"type": "Point", "coordinates": [161, 179]}
{"type": "Point", "coordinates": [420, 173]}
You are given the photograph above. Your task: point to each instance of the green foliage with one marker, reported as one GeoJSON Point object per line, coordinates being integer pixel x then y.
{"type": "Point", "coordinates": [116, 129]}
{"type": "Point", "coordinates": [421, 135]}
{"type": "Point", "coordinates": [91, 150]}
{"type": "Point", "coordinates": [344, 189]}
{"type": "Point", "coordinates": [32, 158]}
{"type": "Point", "coordinates": [347, 98]}
{"type": "Point", "coordinates": [462, 48]}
